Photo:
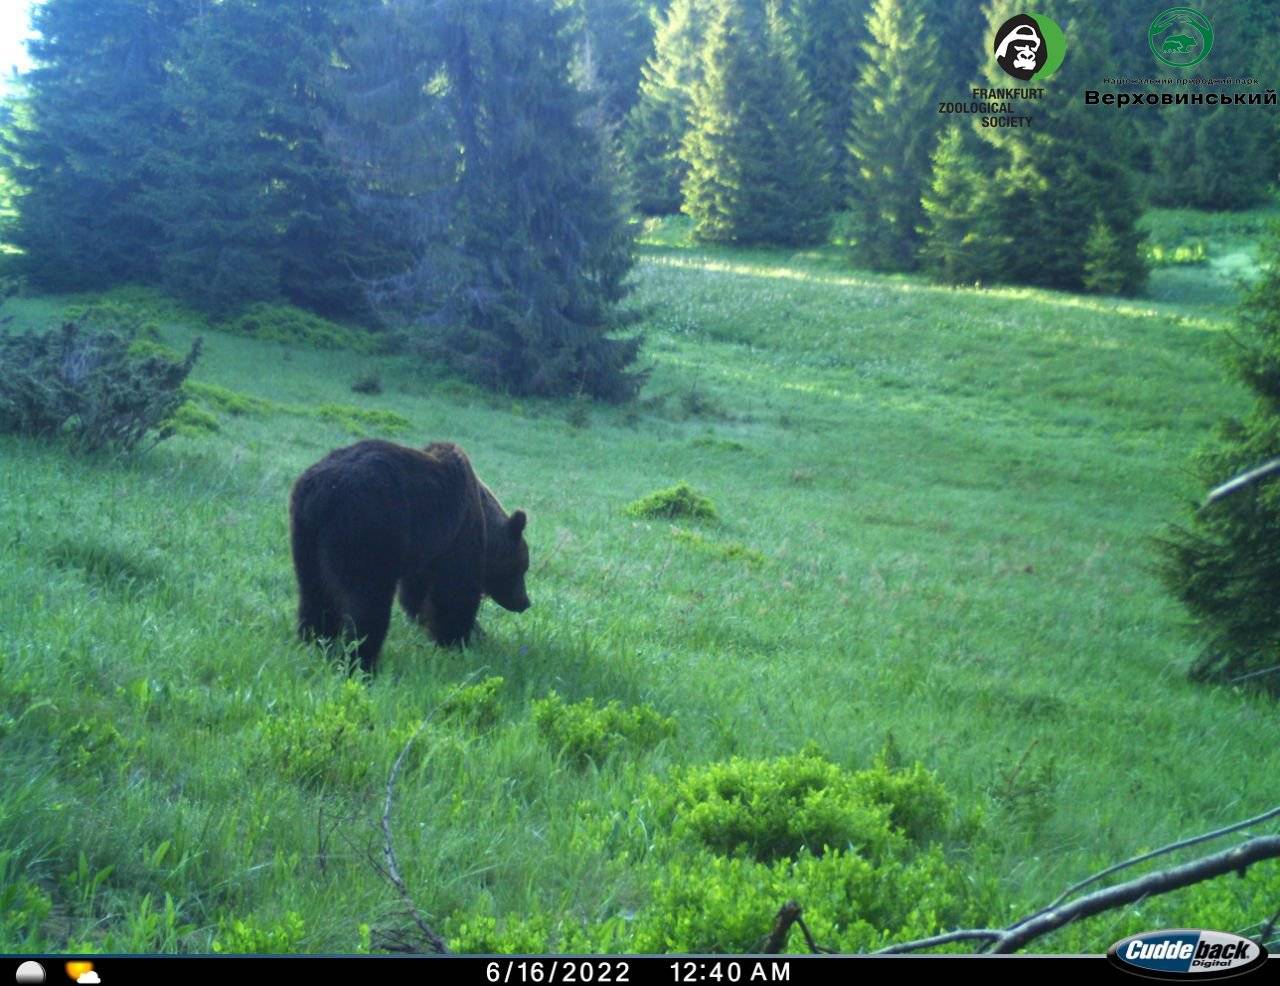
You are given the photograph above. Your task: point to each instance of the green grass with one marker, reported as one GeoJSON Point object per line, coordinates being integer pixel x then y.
{"type": "Point", "coordinates": [935, 520]}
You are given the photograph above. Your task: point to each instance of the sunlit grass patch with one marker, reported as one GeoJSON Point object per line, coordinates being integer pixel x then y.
{"type": "Point", "coordinates": [935, 515]}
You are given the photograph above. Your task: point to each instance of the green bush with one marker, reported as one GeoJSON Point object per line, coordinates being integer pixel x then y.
{"type": "Point", "coordinates": [193, 421]}
{"type": "Point", "coordinates": [770, 809]}
{"type": "Point", "coordinates": [714, 904]}
{"type": "Point", "coordinates": [717, 444]}
{"type": "Point", "coordinates": [93, 746]}
{"type": "Point", "coordinates": [88, 387]}
{"type": "Point", "coordinates": [149, 304]}
{"type": "Point", "coordinates": [727, 844]}
{"type": "Point", "coordinates": [681, 500]}
{"type": "Point", "coordinates": [583, 733]}
{"type": "Point", "coordinates": [483, 934]}
{"type": "Point", "coordinates": [477, 706]}
{"type": "Point", "coordinates": [331, 744]}
{"type": "Point", "coordinates": [24, 908]}
{"type": "Point", "coordinates": [117, 315]}
{"type": "Point", "coordinates": [236, 937]}
{"type": "Point", "coordinates": [228, 401]}
{"type": "Point", "coordinates": [919, 806]}
{"type": "Point", "coordinates": [1190, 253]}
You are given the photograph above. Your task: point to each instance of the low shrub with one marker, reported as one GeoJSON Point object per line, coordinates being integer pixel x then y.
{"type": "Point", "coordinates": [87, 386]}
{"type": "Point", "coordinates": [285, 323]}
{"type": "Point", "coordinates": [770, 809]}
{"type": "Point", "coordinates": [325, 746]}
{"type": "Point", "coordinates": [681, 500]}
{"type": "Point", "coordinates": [584, 733]}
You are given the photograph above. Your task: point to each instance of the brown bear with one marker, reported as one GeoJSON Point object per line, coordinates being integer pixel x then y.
{"type": "Point", "coordinates": [376, 515]}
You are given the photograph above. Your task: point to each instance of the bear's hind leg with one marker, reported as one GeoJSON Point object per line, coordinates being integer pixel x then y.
{"type": "Point", "coordinates": [367, 615]}
{"type": "Point", "coordinates": [318, 613]}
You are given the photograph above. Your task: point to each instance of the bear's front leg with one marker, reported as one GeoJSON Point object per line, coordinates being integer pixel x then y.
{"type": "Point", "coordinates": [451, 613]}
{"type": "Point", "coordinates": [415, 598]}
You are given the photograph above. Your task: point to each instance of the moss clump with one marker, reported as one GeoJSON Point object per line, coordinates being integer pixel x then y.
{"type": "Point", "coordinates": [681, 500]}
{"type": "Point", "coordinates": [357, 420]}
{"type": "Point", "coordinates": [721, 550]}
{"type": "Point", "coordinates": [228, 401]}
{"type": "Point", "coordinates": [193, 421]}
{"type": "Point", "coordinates": [285, 323]}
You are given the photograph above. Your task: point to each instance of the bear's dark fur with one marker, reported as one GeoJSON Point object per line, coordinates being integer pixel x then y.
{"type": "Point", "coordinates": [375, 516]}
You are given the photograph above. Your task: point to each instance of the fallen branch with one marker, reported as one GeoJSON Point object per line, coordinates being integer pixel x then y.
{"type": "Point", "coordinates": [776, 940]}
{"type": "Point", "coordinates": [1265, 932]}
{"type": "Point", "coordinates": [392, 870]}
{"type": "Point", "coordinates": [1018, 934]}
{"type": "Point", "coordinates": [789, 914]}
{"type": "Point", "coordinates": [1232, 860]}
{"type": "Point", "coordinates": [974, 934]}
{"type": "Point", "coordinates": [1243, 480]}
{"type": "Point", "coordinates": [1172, 847]}
{"type": "Point", "coordinates": [434, 941]}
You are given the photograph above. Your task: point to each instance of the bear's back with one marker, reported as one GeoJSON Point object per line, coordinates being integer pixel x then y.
{"type": "Point", "coordinates": [406, 501]}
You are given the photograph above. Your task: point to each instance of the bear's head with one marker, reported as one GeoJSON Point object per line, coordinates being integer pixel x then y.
{"type": "Point", "coordinates": [506, 556]}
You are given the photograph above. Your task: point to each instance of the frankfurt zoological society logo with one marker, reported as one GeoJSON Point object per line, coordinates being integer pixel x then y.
{"type": "Point", "coordinates": [1030, 46]}
{"type": "Point", "coordinates": [1180, 37]}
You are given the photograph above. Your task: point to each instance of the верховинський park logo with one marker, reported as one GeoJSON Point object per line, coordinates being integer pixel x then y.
{"type": "Point", "coordinates": [1180, 37]}
{"type": "Point", "coordinates": [1030, 46]}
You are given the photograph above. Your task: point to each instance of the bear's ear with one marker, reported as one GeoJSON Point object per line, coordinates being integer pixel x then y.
{"type": "Point", "coordinates": [516, 524]}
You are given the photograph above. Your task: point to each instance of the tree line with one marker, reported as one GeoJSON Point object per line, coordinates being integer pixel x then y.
{"type": "Point", "coordinates": [469, 169]}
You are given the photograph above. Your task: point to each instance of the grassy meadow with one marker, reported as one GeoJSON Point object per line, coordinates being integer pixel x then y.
{"type": "Point", "coordinates": [935, 544]}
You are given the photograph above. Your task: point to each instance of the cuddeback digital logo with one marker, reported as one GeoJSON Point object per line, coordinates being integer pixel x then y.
{"type": "Point", "coordinates": [1186, 953]}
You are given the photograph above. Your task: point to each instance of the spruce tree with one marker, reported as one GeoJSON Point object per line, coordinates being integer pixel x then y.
{"type": "Point", "coordinates": [213, 194]}
{"type": "Point", "coordinates": [91, 110]}
{"type": "Point", "coordinates": [396, 139]}
{"type": "Point", "coordinates": [759, 169]}
{"type": "Point", "coordinates": [250, 202]}
{"type": "Point", "coordinates": [656, 125]}
{"type": "Point", "coordinates": [468, 133]}
{"type": "Point", "coordinates": [539, 216]}
{"type": "Point", "coordinates": [891, 135]}
{"type": "Point", "coordinates": [830, 37]}
{"type": "Point", "coordinates": [619, 35]}
{"type": "Point", "coordinates": [954, 27]}
{"type": "Point", "coordinates": [1053, 182]}
{"type": "Point", "coordinates": [1225, 564]}
{"type": "Point", "coordinates": [961, 239]}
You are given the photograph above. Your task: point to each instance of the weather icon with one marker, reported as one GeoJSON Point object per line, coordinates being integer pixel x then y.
{"type": "Point", "coordinates": [82, 972]}
{"type": "Point", "coordinates": [30, 972]}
